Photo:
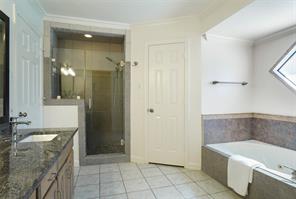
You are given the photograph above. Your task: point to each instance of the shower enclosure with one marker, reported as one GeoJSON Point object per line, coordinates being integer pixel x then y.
{"type": "Point", "coordinates": [93, 70]}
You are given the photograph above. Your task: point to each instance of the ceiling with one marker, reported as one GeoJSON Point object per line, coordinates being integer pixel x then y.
{"type": "Point", "coordinates": [126, 11]}
{"type": "Point", "coordinates": [259, 19]}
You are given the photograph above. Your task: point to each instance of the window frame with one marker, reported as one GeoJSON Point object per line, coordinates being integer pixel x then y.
{"type": "Point", "coordinates": [275, 70]}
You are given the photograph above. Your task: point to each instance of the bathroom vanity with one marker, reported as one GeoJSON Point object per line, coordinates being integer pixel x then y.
{"type": "Point", "coordinates": [39, 166]}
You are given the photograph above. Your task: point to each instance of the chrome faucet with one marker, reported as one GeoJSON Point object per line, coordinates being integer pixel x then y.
{"type": "Point", "coordinates": [293, 177]}
{"type": "Point", "coordinates": [14, 123]}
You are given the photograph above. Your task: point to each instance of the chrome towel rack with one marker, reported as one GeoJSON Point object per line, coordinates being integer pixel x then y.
{"type": "Point", "coordinates": [223, 82]}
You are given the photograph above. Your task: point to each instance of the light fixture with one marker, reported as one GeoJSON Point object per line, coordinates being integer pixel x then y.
{"type": "Point", "coordinates": [64, 70]}
{"type": "Point", "coordinates": [88, 35]}
{"type": "Point", "coordinates": [67, 70]}
{"type": "Point", "coordinates": [71, 72]}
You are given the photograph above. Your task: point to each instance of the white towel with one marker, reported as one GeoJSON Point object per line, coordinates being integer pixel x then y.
{"type": "Point", "coordinates": [240, 173]}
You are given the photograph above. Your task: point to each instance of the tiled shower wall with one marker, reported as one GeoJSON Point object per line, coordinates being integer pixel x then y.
{"type": "Point", "coordinates": [273, 129]}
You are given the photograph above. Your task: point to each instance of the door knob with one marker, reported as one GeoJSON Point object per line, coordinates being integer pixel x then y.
{"type": "Point", "coordinates": [150, 110]}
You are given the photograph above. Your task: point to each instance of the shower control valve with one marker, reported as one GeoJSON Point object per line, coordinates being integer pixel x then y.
{"type": "Point", "coordinates": [150, 110]}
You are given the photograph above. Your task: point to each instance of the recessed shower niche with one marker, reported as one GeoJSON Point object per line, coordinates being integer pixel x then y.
{"type": "Point", "coordinates": [91, 67]}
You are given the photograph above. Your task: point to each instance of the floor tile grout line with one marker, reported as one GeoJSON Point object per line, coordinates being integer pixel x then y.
{"type": "Point", "coordinates": [100, 180]}
{"type": "Point", "coordinates": [115, 182]}
{"type": "Point", "coordinates": [147, 182]}
{"type": "Point", "coordinates": [210, 178]}
{"type": "Point", "coordinates": [123, 181]}
{"type": "Point", "coordinates": [87, 184]}
{"type": "Point", "coordinates": [172, 184]}
{"type": "Point", "coordinates": [192, 181]}
{"type": "Point", "coordinates": [211, 193]}
{"type": "Point", "coordinates": [145, 179]}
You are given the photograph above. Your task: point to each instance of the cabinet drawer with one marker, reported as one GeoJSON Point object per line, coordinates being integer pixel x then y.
{"type": "Point", "coordinates": [63, 157]}
{"type": "Point", "coordinates": [48, 180]}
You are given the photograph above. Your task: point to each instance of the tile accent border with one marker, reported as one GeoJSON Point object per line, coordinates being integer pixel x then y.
{"type": "Point", "coordinates": [275, 117]}
{"type": "Point", "coordinates": [250, 115]}
{"type": "Point", "coordinates": [227, 116]}
{"type": "Point", "coordinates": [273, 129]}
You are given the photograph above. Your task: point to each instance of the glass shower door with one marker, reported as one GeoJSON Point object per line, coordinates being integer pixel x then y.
{"type": "Point", "coordinates": [104, 110]}
{"type": "Point", "coordinates": [101, 87]}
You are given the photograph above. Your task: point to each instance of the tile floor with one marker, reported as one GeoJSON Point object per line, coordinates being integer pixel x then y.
{"type": "Point", "coordinates": [146, 181]}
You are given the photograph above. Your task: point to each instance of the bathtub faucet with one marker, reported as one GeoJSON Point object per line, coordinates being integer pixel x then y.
{"type": "Point", "coordinates": [293, 171]}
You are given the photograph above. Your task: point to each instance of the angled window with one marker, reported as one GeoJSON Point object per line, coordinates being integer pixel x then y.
{"type": "Point", "coordinates": [285, 68]}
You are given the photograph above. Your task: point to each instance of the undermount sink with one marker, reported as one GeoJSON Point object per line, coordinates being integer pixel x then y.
{"type": "Point", "coordinates": [39, 138]}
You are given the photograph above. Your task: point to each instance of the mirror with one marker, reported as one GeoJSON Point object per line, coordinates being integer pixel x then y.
{"type": "Point", "coordinates": [4, 67]}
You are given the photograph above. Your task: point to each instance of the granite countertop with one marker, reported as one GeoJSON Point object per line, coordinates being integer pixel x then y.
{"type": "Point", "coordinates": [21, 174]}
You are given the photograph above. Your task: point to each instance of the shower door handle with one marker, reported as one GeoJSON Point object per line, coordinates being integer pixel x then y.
{"type": "Point", "coordinates": [89, 103]}
{"type": "Point", "coordinates": [150, 110]}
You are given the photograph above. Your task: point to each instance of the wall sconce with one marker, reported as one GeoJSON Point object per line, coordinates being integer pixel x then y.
{"type": "Point", "coordinates": [67, 70]}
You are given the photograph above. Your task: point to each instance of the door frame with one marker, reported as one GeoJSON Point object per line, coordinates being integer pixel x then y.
{"type": "Point", "coordinates": [186, 97]}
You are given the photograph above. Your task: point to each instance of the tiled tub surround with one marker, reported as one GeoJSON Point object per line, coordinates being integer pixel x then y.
{"type": "Point", "coordinates": [226, 128]}
{"type": "Point", "coordinates": [281, 133]}
{"type": "Point", "coordinates": [21, 174]}
{"type": "Point", "coordinates": [273, 129]}
{"type": "Point", "coordinates": [265, 185]}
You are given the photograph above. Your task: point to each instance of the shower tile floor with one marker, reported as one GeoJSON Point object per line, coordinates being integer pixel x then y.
{"type": "Point", "coordinates": [146, 181]}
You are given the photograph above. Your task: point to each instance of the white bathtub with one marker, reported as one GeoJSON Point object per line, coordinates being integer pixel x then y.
{"type": "Point", "coordinates": [270, 155]}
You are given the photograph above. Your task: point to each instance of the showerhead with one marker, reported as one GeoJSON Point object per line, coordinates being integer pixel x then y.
{"type": "Point", "coordinates": [109, 59]}
{"type": "Point", "coordinates": [119, 65]}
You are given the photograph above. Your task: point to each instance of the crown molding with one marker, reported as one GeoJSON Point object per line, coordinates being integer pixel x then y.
{"type": "Point", "coordinates": [168, 21]}
{"type": "Point", "coordinates": [276, 35]}
{"type": "Point", "coordinates": [86, 21]}
{"type": "Point", "coordinates": [234, 39]}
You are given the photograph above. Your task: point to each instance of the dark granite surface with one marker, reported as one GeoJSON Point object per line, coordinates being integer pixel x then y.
{"type": "Point", "coordinates": [21, 174]}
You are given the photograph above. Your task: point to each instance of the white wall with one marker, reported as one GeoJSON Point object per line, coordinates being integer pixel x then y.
{"type": "Point", "coordinates": [30, 11]}
{"type": "Point", "coordinates": [220, 10]}
{"type": "Point", "coordinates": [63, 117]}
{"type": "Point", "coordinates": [270, 95]}
{"type": "Point", "coordinates": [185, 29]}
{"type": "Point", "coordinates": [237, 60]}
{"type": "Point", "coordinates": [226, 59]}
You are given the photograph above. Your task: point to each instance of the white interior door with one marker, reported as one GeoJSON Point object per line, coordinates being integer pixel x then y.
{"type": "Point", "coordinates": [27, 73]}
{"type": "Point", "coordinates": [166, 109]}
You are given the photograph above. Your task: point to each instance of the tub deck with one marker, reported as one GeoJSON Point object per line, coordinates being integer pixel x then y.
{"type": "Point", "coordinates": [265, 185]}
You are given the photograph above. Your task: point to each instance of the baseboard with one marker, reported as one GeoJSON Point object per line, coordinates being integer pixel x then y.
{"type": "Point", "coordinates": [138, 159]}
{"type": "Point", "coordinates": [193, 166]}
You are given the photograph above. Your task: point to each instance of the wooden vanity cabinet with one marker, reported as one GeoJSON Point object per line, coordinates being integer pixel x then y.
{"type": "Point", "coordinates": [58, 183]}
{"type": "Point", "coordinates": [33, 196]}
{"type": "Point", "coordinates": [66, 179]}
{"type": "Point", "coordinates": [52, 193]}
